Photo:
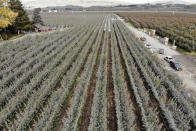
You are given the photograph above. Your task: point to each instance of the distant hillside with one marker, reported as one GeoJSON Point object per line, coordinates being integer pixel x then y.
{"type": "Point", "coordinates": [68, 7]}
{"type": "Point", "coordinates": [85, 3]}
{"type": "Point", "coordinates": [172, 2]}
{"type": "Point", "coordinates": [132, 7]}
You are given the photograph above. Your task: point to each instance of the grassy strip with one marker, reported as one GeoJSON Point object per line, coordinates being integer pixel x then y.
{"type": "Point", "coordinates": [193, 53]}
{"type": "Point", "coordinates": [16, 36]}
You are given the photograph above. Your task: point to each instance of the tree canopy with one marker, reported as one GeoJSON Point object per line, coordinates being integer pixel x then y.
{"type": "Point", "coordinates": [37, 17]}
{"type": "Point", "coordinates": [7, 16]}
{"type": "Point", "coordinates": [22, 21]}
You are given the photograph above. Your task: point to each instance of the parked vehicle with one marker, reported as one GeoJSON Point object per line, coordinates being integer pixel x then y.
{"type": "Point", "coordinates": [175, 65]}
{"type": "Point", "coordinates": [143, 39]}
{"type": "Point", "coordinates": [161, 51]}
{"type": "Point", "coordinates": [169, 59]}
{"type": "Point", "coordinates": [149, 46]}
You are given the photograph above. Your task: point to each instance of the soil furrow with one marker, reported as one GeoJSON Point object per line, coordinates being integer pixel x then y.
{"type": "Point", "coordinates": [85, 119]}
{"type": "Point", "coordinates": [111, 106]}
{"type": "Point", "coordinates": [136, 108]}
{"type": "Point", "coordinates": [152, 99]}
{"type": "Point", "coordinates": [58, 84]}
{"type": "Point", "coordinates": [59, 122]}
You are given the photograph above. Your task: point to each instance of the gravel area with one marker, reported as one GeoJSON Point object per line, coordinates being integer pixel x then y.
{"type": "Point", "coordinates": [187, 75]}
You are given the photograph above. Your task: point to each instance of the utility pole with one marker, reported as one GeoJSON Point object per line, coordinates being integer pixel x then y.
{"type": "Point", "coordinates": [174, 42]}
{"type": "Point", "coordinates": [193, 40]}
{"type": "Point", "coordinates": [1, 39]}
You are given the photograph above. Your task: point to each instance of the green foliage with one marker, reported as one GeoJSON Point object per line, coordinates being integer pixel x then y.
{"type": "Point", "coordinates": [179, 27]}
{"type": "Point", "coordinates": [7, 16]}
{"type": "Point", "coordinates": [40, 75]}
{"type": "Point", "coordinates": [4, 36]}
{"type": "Point", "coordinates": [37, 17]}
{"type": "Point", "coordinates": [22, 21]}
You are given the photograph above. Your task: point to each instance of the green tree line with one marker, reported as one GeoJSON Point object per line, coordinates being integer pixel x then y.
{"type": "Point", "coordinates": [20, 22]}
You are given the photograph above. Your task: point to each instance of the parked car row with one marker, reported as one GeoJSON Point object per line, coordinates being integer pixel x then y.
{"type": "Point", "coordinates": [173, 63]}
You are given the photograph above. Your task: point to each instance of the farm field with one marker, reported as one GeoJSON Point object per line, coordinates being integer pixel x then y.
{"type": "Point", "coordinates": [176, 26]}
{"type": "Point", "coordinates": [187, 75]}
{"type": "Point", "coordinates": [67, 19]}
{"type": "Point", "coordinates": [93, 76]}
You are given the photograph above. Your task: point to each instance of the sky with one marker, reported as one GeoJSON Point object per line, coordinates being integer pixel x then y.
{"type": "Point", "coordinates": [45, 3]}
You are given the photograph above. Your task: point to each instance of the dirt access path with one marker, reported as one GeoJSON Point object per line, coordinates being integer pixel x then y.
{"type": "Point", "coordinates": [187, 75]}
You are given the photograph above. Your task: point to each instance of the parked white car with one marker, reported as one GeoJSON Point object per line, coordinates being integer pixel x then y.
{"type": "Point", "coordinates": [169, 59]}
{"type": "Point", "coordinates": [149, 46]}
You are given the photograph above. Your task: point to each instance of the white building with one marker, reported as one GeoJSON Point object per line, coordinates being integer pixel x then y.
{"type": "Point", "coordinates": [164, 40]}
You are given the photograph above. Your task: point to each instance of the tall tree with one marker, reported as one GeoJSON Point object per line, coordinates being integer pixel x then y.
{"type": "Point", "coordinates": [37, 17]}
{"type": "Point", "coordinates": [22, 21]}
{"type": "Point", "coordinates": [7, 16]}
